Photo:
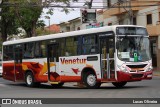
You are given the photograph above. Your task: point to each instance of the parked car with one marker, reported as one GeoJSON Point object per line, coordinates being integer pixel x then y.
{"type": "Point", "coordinates": [0, 69]}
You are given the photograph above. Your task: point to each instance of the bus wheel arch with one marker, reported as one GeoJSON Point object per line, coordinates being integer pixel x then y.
{"type": "Point", "coordinates": [89, 78]}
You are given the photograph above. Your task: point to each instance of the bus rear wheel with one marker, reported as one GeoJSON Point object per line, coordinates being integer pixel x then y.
{"type": "Point", "coordinates": [90, 80]}
{"type": "Point", "coordinates": [29, 79]}
{"type": "Point", "coordinates": [119, 84]}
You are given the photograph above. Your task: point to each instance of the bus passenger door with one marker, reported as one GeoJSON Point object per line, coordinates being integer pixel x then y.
{"type": "Point", "coordinates": [52, 58]}
{"type": "Point", "coordinates": [19, 75]}
{"type": "Point", "coordinates": [107, 50]}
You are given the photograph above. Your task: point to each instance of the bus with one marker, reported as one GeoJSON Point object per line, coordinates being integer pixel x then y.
{"type": "Point", "coordinates": [117, 54]}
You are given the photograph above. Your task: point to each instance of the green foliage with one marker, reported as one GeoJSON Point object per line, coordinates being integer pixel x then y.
{"type": "Point", "coordinates": [42, 32]}
{"type": "Point", "coordinates": [40, 24]}
{"type": "Point", "coordinates": [25, 14]}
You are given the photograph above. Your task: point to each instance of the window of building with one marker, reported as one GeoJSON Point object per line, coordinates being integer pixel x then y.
{"type": "Point", "coordinates": [158, 22]}
{"type": "Point", "coordinates": [109, 3]}
{"type": "Point", "coordinates": [91, 17]}
{"type": "Point", "coordinates": [134, 21]}
{"type": "Point", "coordinates": [110, 24]}
{"type": "Point", "coordinates": [68, 28]}
{"type": "Point", "coordinates": [159, 16]}
{"type": "Point", "coordinates": [149, 19]}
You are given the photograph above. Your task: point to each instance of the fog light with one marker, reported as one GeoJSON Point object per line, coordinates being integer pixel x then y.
{"type": "Point", "coordinates": [150, 75]}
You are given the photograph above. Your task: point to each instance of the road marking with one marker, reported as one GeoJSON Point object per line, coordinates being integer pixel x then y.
{"type": "Point", "coordinates": [3, 85]}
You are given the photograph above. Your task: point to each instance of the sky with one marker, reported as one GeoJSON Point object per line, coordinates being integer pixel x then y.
{"type": "Point", "coordinates": [59, 16]}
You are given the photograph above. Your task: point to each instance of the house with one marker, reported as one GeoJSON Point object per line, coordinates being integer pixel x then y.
{"type": "Point", "coordinates": [71, 25]}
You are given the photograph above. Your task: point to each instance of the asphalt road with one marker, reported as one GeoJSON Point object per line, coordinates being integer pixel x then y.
{"type": "Point", "coordinates": [142, 89]}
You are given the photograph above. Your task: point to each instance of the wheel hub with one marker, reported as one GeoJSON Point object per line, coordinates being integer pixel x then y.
{"type": "Point", "coordinates": [91, 80]}
{"type": "Point", "coordinates": [29, 79]}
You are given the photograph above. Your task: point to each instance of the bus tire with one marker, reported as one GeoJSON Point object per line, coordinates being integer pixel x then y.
{"type": "Point", "coordinates": [119, 84]}
{"type": "Point", "coordinates": [29, 79]}
{"type": "Point", "coordinates": [59, 85]}
{"type": "Point", "coordinates": [90, 80]}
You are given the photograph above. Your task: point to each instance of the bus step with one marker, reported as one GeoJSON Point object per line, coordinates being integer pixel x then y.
{"type": "Point", "coordinates": [107, 81]}
{"type": "Point", "coordinates": [53, 82]}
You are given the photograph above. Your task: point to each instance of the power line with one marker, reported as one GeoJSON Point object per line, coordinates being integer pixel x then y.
{"type": "Point", "coordinates": [94, 7]}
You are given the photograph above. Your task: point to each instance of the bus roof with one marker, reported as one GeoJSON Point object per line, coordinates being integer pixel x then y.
{"type": "Point", "coordinates": [67, 34]}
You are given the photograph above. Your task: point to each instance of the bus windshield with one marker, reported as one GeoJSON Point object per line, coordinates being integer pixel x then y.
{"type": "Point", "coordinates": [133, 49]}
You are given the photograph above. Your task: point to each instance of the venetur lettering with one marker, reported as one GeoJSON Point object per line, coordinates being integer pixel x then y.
{"type": "Point", "coordinates": [73, 61]}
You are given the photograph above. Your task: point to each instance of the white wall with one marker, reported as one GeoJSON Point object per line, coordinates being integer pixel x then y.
{"type": "Point", "coordinates": [113, 19]}
{"type": "Point", "coordinates": [71, 25]}
{"type": "Point", "coordinates": [99, 17]}
{"type": "Point", "coordinates": [141, 16]}
{"type": "Point", "coordinates": [75, 25]}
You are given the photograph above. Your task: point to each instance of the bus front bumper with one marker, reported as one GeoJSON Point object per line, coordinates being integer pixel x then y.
{"type": "Point", "coordinates": [125, 76]}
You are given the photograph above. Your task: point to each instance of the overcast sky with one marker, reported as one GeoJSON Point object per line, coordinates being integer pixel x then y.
{"type": "Point", "coordinates": [59, 16]}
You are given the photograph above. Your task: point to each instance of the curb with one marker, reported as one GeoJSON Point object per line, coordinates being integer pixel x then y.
{"type": "Point", "coordinates": [156, 74]}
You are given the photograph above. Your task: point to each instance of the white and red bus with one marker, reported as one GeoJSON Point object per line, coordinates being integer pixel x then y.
{"type": "Point", "coordinates": [116, 54]}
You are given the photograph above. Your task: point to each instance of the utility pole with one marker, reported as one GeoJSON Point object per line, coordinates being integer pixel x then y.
{"type": "Point", "coordinates": [48, 17]}
{"type": "Point", "coordinates": [130, 12]}
{"type": "Point", "coordinates": [89, 3]}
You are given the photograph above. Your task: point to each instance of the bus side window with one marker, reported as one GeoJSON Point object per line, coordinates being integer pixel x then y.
{"type": "Point", "coordinates": [38, 49]}
{"type": "Point", "coordinates": [43, 48]}
{"type": "Point", "coordinates": [89, 45]}
{"type": "Point", "coordinates": [61, 47]}
{"type": "Point", "coordinates": [69, 46]}
{"type": "Point", "coordinates": [8, 53]}
{"type": "Point", "coordinates": [29, 50]}
{"type": "Point", "coordinates": [93, 49]}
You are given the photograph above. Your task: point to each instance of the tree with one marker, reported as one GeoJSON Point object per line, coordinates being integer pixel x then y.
{"type": "Point", "coordinates": [8, 24]}
{"type": "Point", "coordinates": [24, 14]}
{"type": "Point", "coordinates": [27, 13]}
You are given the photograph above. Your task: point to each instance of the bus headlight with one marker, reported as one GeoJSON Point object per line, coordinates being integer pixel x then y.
{"type": "Point", "coordinates": [124, 68]}
{"type": "Point", "coordinates": [149, 68]}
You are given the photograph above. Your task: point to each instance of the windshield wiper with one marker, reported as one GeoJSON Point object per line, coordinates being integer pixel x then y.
{"type": "Point", "coordinates": [140, 41]}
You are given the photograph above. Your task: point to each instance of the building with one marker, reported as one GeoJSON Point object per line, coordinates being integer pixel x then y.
{"type": "Point", "coordinates": [136, 12]}
{"type": "Point", "coordinates": [78, 24]}
{"type": "Point", "coordinates": [71, 25]}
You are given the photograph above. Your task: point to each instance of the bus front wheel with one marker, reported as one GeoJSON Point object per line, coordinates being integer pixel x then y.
{"type": "Point", "coordinates": [90, 80]}
{"type": "Point", "coordinates": [119, 84]}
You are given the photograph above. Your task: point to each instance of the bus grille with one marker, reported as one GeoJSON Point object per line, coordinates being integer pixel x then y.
{"type": "Point", "coordinates": [137, 66]}
{"type": "Point", "coordinates": [137, 75]}
{"type": "Point", "coordinates": [136, 70]}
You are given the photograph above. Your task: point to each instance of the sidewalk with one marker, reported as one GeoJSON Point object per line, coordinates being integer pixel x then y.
{"type": "Point", "coordinates": [156, 72]}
